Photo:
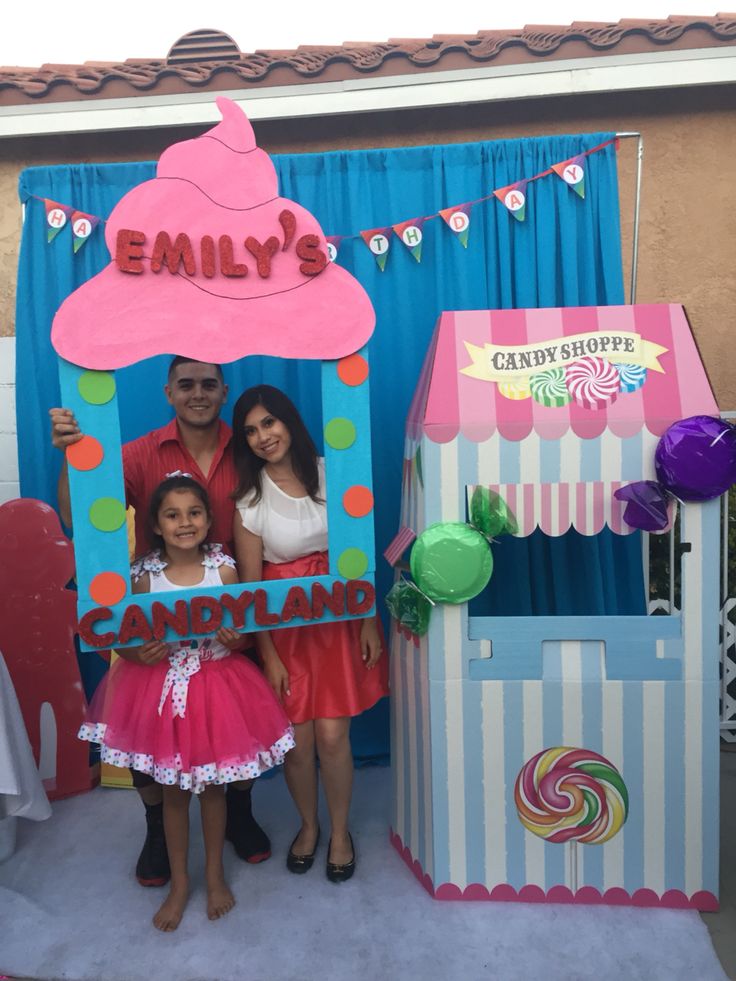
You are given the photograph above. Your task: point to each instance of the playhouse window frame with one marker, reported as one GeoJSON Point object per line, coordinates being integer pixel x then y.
{"type": "Point", "coordinates": [99, 550]}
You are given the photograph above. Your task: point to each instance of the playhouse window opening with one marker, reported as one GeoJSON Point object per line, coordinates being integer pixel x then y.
{"type": "Point", "coordinates": [566, 575]}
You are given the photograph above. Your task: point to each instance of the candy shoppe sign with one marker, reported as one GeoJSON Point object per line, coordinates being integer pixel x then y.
{"type": "Point", "coordinates": [500, 363]}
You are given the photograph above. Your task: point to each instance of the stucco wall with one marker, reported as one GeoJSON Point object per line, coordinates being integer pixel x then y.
{"type": "Point", "coordinates": [688, 230]}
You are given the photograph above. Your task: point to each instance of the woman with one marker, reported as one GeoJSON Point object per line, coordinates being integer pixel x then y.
{"type": "Point", "coordinates": [323, 673]}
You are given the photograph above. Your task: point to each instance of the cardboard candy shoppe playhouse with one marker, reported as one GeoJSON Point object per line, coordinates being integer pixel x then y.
{"type": "Point", "coordinates": [556, 758]}
{"type": "Point", "coordinates": [210, 263]}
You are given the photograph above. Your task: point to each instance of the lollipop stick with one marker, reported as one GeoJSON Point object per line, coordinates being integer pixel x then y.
{"type": "Point", "coordinates": [572, 865]}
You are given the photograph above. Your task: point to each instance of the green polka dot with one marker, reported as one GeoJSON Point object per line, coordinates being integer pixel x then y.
{"type": "Point", "coordinates": [107, 514]}
{"type": "Point", "coordinates": [340, 433]}
{"type": "Point", "coordinates": [352, 563]}
{"type": "Point", "coordinates": [96, 387]}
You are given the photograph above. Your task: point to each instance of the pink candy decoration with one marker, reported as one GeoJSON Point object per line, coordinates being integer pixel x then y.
{"type": "Point", "coordinates": [230, 303]}
{"type": "Point", "coordinates": [592, 382]}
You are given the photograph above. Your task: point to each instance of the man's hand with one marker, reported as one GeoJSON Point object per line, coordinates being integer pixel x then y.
{"type": "Point", "coordinates": [64, 428]}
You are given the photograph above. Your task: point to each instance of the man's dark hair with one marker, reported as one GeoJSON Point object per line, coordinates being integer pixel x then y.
{"type": "Point", "coordinates": [179, 359]}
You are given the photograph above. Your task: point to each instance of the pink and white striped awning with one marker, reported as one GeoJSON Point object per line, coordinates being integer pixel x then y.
{"type": "Point", "coordinates": [478, 379]}
{"type": "Point", "coordinates": [555, 508]}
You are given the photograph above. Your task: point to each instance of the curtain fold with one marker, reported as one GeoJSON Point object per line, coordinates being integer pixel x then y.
{"type": "Point", "coordinates": [566, 252]}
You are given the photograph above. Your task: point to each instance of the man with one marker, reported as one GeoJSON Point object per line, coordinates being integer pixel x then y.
{"type": "Point", "coordinates": [195, 442]}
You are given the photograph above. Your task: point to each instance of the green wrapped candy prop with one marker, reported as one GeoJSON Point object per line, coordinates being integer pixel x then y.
{"type": "Point", "coordinates": [407, 605]}
{"type": "Point", "coordinates": [451, 562]}
{"type": "Point", "coordinates": [490, 514]}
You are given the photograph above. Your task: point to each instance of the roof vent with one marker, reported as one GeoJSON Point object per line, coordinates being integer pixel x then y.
{"type": "Point", "coordinates": [203, 45]}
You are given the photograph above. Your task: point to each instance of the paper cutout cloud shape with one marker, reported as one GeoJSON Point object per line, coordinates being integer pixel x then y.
{"type": "Point", "coordinates": [209, 262]}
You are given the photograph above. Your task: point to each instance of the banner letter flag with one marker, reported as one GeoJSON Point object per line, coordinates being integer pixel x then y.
{"type": "Point", "coordinates": [333, 245]}
{"type": "Point", "coordinates": [378, 241]}
{"type": "Point", "coordinates": [513, 198]}
{"type": "Point", "coordinates": [572, 172]}
{"type": "Point", "coordinates": [82, 227]}
{"type": "Point", "coordinates": [57, 216]}
{"type": "Point", "coordinates": [457, 219]}
{"type": "Point", "coordinates": [411, 234]}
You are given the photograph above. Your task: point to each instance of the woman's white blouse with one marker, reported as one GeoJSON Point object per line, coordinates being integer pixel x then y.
{"type": "Point", "coordinates": [289, 526]}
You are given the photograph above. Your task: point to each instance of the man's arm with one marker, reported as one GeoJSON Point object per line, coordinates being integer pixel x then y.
{"type": "Point", "coordinates": [64, 432]}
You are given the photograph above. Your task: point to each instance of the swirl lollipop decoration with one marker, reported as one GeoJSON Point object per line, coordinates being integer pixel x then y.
{"type": "Point", "coordinates": [565, 794]}
{"type": "Point", "coordinates": [549, 388]}
{"type": "Point", "coordinates": [593, 382]}
{"type": "Point", "coordinates": [632, 376]}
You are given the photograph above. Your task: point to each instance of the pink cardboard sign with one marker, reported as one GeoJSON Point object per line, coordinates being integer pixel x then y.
{"type": "Point", "coordinates": [209, 262]}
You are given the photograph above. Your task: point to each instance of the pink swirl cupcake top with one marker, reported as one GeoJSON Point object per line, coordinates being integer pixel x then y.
{"type": "Point", "coordinates": [209, 262]}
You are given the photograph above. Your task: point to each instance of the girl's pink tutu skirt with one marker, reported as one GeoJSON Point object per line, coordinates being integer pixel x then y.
{"type": "Point", "coordinates": [232, 728]}
{"type": "Point", "coordinates": [327, 676]}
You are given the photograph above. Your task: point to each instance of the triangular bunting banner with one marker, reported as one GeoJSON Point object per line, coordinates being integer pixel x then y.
{"type": "Point", "coordinates": [82, 227]}
{"type": "Point", "coordinates": [457, 219]}
{"type": "Point", "coordinates": [513, 198]}
{"type": "Point", "coordinates": [411, 234]}
{"type": "Point", "coordinates": [57, 215]}
{"type": "Point", "coordinates": [333, 246]}
{"type": "Point", "coordinates": [572, 172]}
{"type": "Point", "coordinates": [378, 241]}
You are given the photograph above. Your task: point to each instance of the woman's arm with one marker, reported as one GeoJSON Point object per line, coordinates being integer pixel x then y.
{"type": "Point", "coordinates": [370, 642]}
{"type": "Point", "coordinates": [249, 556]}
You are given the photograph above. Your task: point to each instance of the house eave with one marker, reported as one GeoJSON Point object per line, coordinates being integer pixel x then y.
{"type": "Point", "coordinates": [545, 79]}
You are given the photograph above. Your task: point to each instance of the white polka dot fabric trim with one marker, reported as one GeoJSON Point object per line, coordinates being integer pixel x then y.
{"type": "Point", "coordinates": [198, 777]}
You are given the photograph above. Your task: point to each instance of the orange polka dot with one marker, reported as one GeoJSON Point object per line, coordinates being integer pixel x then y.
{"type": "Point", "coordinates": [107, 588]}
{"type": "Point", "coordinates": [352, 370]}
{"type": "Point", "coordinates": [357, 501]}
{"type": "Point", "coordinates": [86, 454]}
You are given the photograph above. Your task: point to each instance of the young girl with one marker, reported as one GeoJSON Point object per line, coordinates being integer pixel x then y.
{"type": "Point", "coordinates": [187, 713]}
{"type": "Point", "coordinates": [323, 673]}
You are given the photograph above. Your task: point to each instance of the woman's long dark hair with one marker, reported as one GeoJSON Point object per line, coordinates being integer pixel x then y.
{"type": "Point", "coordinates": [303, 451]}
{"type": "Point", "coordinates": [173, 483]}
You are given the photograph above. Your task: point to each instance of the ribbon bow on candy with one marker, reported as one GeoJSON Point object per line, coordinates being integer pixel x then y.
{"type": "Point", "coordinates": [183, 664]}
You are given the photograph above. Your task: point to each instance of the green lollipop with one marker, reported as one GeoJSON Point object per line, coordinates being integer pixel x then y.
{"type": "Point", "coordinates": [490, 514]}
{"type": "Point", "coordinates": [407, 605]}
{"type": "Point", "coordinates": [451, 562]}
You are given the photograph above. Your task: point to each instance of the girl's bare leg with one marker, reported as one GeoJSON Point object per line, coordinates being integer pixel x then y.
{"type": "Point", "coordinates": [176, 826]}
{"type": "Point", "coordinates": [219, 898]}
{"type": "Point", "coordinates": [332, 737]}
{"type": "Point", "coordinates": [300, 770]}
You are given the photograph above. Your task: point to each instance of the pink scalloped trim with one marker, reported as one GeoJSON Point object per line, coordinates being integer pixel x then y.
{"type": "Point", "coordinates": [704, 901]}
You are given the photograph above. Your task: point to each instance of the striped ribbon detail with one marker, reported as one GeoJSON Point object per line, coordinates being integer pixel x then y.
{"type": "Point", "coordinates": [399, 544]}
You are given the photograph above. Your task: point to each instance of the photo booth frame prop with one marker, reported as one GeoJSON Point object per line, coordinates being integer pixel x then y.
{"type": "Point", "coordinates": [109, 615]}
{"type": "Point", "coordinates": [175, 278]}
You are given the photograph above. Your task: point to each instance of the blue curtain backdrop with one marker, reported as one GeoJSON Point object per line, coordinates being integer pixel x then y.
{"type": "Point", "coordinates": [566, 253]}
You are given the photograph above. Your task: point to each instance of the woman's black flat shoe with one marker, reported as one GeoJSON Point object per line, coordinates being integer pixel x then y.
{"type": "Point", "coordinates": [299, 864]}
{"type": "Point", "coordinates": [340, 873]}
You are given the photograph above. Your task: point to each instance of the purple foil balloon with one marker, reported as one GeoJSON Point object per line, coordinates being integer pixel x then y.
{"type": "Point", "coordinates": [646, 506]}
{"type": "Point", "coordinates": [696, 458]}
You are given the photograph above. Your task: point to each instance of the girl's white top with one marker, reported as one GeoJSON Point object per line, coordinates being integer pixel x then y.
{"type": "Point", "coordinates": [206, 648]}
{"type": "Point", "coordinates": [289, 526]}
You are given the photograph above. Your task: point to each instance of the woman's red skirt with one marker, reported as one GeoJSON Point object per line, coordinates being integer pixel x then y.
{"type": "Point", "coordinates": [327, 676]}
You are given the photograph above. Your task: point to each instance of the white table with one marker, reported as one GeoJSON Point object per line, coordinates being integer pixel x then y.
{"type": "Point", "coordinates": [21, 790]}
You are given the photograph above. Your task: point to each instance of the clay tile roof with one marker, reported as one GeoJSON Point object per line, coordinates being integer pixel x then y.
{"type": "Point", "coordinates": [210, 58]}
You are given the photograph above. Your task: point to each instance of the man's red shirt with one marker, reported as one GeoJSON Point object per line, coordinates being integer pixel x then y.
{"type": "Point", "coordinates": [153, 457]}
